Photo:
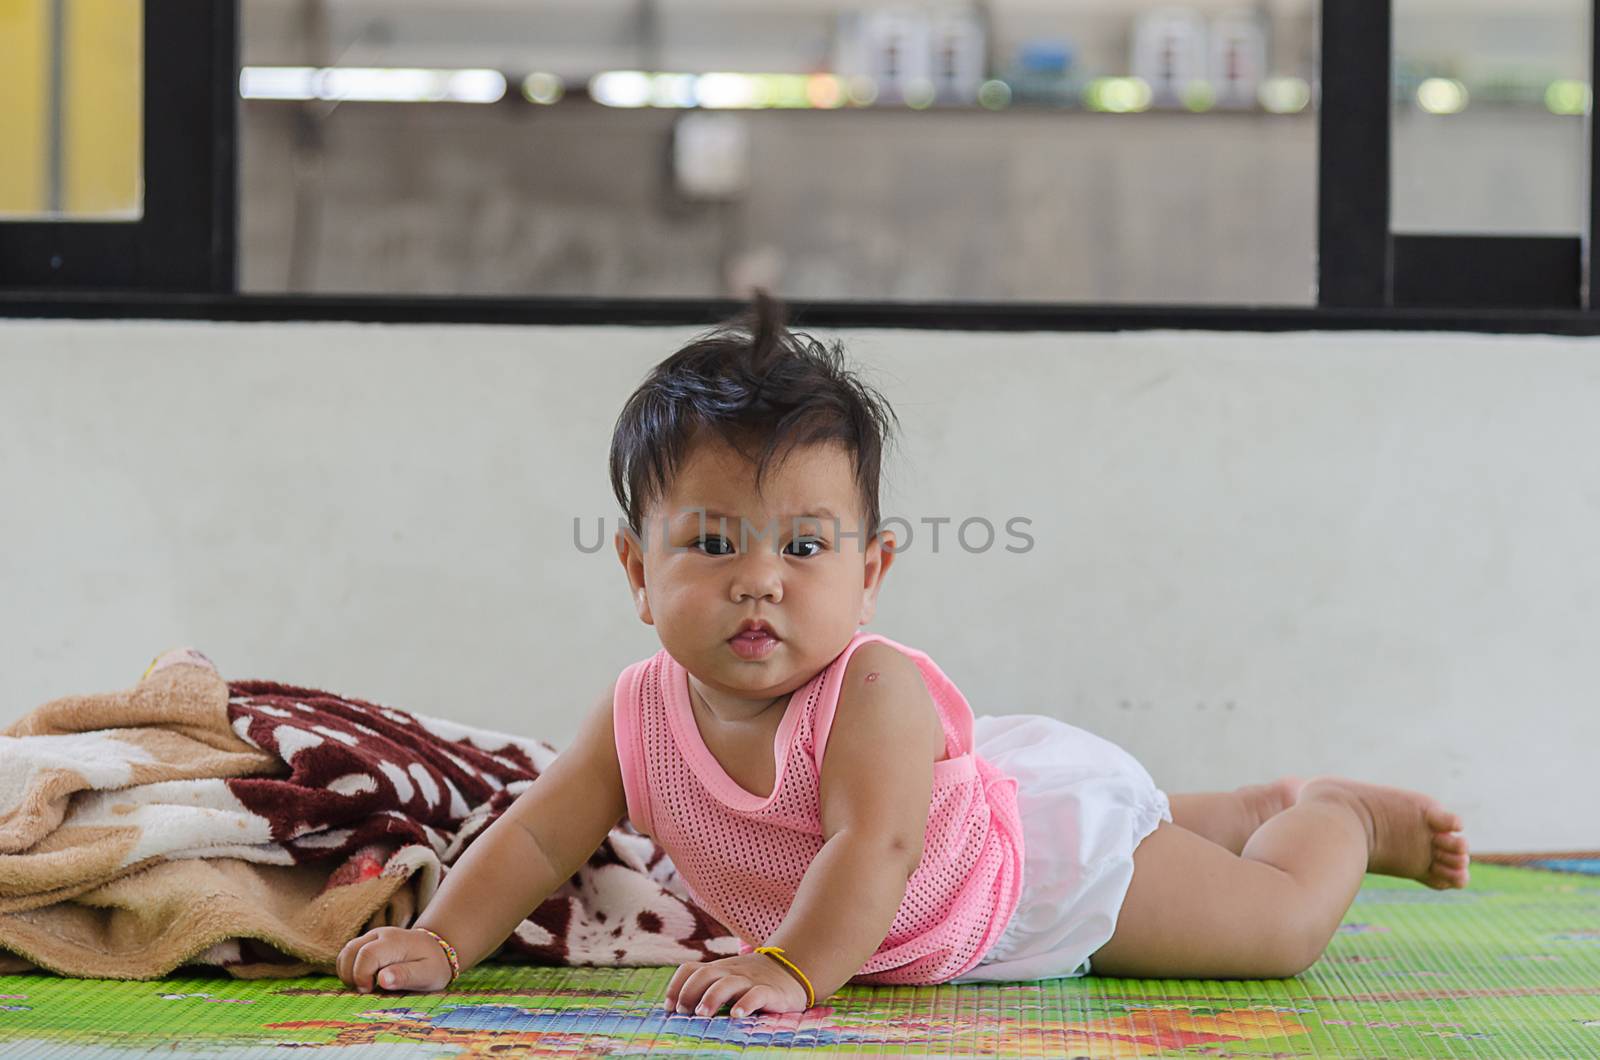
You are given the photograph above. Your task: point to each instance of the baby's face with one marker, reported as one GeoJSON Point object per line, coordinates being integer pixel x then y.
{"type": "Point", "coordinates": [790, 556]}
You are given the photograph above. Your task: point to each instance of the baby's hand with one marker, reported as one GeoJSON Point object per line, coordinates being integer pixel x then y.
{"type": "Point", "coordinates": [409, 959]}
{"type": "Point", "coordinates": [753, 982]}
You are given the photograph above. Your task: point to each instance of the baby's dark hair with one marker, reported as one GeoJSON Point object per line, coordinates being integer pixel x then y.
{"type": "Point", "coordinates": [751, 380]}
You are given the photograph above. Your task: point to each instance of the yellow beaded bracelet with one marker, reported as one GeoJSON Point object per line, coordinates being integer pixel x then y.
{"type": "Point", "coordinates": [776, 953]}
{"type": "Point", "coordinates": [449, 952]}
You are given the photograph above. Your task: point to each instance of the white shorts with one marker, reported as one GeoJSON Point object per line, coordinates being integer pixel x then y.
{"type": "Point", "coordinates": [1085, 804]}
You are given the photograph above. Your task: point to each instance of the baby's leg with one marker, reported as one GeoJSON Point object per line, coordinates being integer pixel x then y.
{"type": "Point", "coordinates": [1232, 817]}
{"type": "Point", "coordinates": [1196, 910]}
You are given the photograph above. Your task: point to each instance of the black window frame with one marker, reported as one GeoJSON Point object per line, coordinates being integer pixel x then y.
{"type": "Point", "coordinates": [184, 239]}
{"type": "Point", "coordinates": [1362, 262]}
{"type": "Point", "coordinates": [178, 261]}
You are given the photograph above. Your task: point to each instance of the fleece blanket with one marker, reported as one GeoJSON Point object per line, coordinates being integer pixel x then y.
{"type": "Point", "coordinates": [258, 826]}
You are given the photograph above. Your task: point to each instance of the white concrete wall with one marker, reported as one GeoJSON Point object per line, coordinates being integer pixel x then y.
{"type": "Point", "coordinates": [1253, 554]}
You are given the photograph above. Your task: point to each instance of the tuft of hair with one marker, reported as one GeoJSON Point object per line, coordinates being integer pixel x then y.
{"type": "Point", "coordinates": [752, 383]}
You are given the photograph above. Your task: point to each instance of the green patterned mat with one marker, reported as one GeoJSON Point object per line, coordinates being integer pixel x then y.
{"type": "Point", "coordinates": [1509, 968]}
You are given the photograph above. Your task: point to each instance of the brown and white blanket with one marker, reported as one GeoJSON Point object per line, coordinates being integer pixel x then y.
{"type": "Point", "coordinates": [258, 826]}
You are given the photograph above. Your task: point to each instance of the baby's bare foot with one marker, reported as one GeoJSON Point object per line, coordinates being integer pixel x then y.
{"type": "Point", "coordinates": [1409, 834]}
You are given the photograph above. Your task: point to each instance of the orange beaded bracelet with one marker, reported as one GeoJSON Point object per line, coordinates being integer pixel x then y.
{"type": "Point", "coordinates": [449, 952]}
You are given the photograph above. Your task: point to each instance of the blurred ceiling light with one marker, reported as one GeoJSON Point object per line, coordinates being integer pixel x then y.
{"type": "Point", "coordinates": [1567, 97]}
{"type": "Point", "coordinates": [724, 91]}
{"type": "Point", "coordinates": [824, 90]}
{"type": "Point", "coordinates": [918, 93]}
{"type": "Point", "coordinates": [1118, 95]}
{"type": "Point", "coordinates": [783, 90]}
{"type": "Point", "coordinates": [540, 87]}
{"type": "Point", "coordinates": [477, 86]}
{"type": "Point", "coordinates": [620, 88]}
{"type": "Point", "coordinates": [277, 82]}
{"type": "Point", "coordinates": [995, 95]}
{"type": "Point", "coordinates": [672, 90]}
{"type": "Point", "coordinates": [1442, 95]}
{"type": "Point", "coordinates": [863, 90]}
{"type": "Point", "coordinates": [1198, 96]}
{"type": "Point", "coordinates": [1284, 95]}
{"type": "Point", "coordinates": [727, 91]}
{"type": "Point", "coordinates": [371, 84]}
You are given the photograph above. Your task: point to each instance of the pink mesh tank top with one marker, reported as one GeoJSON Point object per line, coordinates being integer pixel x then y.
{"type": "Point", "coordinates": [741, 856]}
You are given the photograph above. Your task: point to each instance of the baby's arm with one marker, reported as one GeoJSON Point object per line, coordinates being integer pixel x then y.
{"type": "Point", "coordinates": [877, 780]}
{"type": "Point", "coordinates": [515, 864]}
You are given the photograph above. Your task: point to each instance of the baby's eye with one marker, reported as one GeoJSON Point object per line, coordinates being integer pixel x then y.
{"type": "Point", "coordinates": [821, 546]}
{"type": "Point", "coordinates": [712, 537]}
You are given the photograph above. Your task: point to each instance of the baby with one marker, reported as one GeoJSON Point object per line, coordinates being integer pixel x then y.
{"type": "Point", "coordinates": [827, 793]}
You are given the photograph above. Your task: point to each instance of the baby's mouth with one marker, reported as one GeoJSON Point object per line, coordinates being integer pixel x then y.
{"type": "Point", "coordinates": [753, 643]}
{"type": "Point", "coordinates": [756, 632]}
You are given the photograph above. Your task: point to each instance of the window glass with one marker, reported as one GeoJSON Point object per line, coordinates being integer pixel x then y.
{"type": "Point", "coordinates": [71, 88]}
{"type": "Point", "coordinates": [1489, 122]}
{"type": "Point", "coordinates": [1040, 150]}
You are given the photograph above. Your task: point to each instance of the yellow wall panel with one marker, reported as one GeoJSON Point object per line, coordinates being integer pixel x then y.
{"type": "Point", "coordinates": [24, 73]}
{"type": "Point", "coordinates": [103, 85]}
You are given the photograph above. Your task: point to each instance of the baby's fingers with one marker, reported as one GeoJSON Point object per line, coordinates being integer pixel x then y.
{"type": "Point", "coordinates": [421, 975]}
{"type": "Point", "coordinates": [720, 993]}
{"type": "Point", "coordinates": [347, 957]}
{"type": "Point", "coordinates": [754, 1000]}
{"type": "Point", "coordinates": [377, 954]}
{"type": "Point", "coordinates": [678, 977]}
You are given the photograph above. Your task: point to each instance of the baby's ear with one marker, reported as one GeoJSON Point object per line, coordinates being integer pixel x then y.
{"type": "Point", "coordinates": [630, 547]}
{"type": "Point", "coordinates": [631, 554]}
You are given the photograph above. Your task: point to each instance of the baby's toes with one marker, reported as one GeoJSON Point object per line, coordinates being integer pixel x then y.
{"type": "Point", "coordinates": [1442, 820]}
{"type": "Point", "coordinates": [1449, 869]}
{"type": "Point", "coordinates": [1449, 843]}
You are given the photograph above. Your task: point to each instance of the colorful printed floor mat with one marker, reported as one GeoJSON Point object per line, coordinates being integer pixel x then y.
{"type": "Point", "coordinates": [1509, 968]}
